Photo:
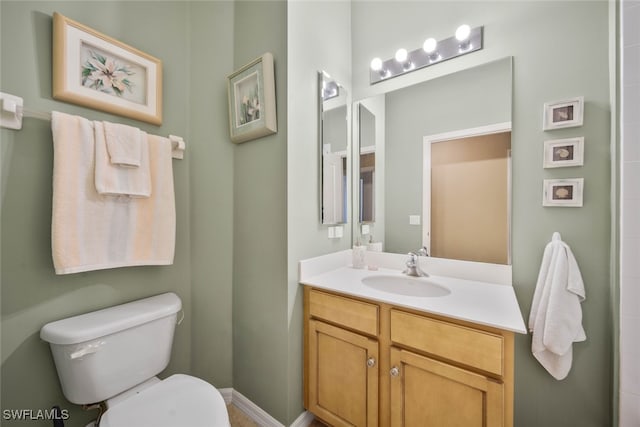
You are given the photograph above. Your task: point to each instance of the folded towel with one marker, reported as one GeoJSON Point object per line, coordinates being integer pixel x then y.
{"type": "Point", "coordinates": [556, 314]}
{"type": "Point", "coordinates": [123, 144]}
{"type": "Point", "coordinates": [93, 232]}
{"type": "Point", "coordinates": [115, 180]}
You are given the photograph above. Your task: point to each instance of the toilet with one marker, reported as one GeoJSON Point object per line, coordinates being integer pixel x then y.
{"type": "Point", "coordinates": [112, 356]}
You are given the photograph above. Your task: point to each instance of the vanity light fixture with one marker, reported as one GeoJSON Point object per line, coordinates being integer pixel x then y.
{"type": "Point", "coordinates": [429, 46]}
{"type": "Point", "coordinates": [330, 88]}
{"type": "Point", "coordinates": [376, 65]}
{"type": "Point", "coordinates": [465, 40]}
{"type": "Point", "coordinates": [462, 35]}
{"type": "Point", "coordinates": [402, 59]}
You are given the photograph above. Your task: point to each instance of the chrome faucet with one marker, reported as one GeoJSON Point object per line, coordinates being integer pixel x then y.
{"type": "Point", "coordinates": [413, 269]}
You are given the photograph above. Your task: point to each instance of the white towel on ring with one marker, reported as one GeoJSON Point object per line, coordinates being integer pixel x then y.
{"type": "Point", "coordinates": [556, 313]}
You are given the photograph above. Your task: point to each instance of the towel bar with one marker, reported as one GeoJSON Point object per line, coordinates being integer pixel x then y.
{"type": "Point", "coordinates": [13, 111]}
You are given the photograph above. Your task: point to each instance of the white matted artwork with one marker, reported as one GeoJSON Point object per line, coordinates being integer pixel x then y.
{"type": "Point", "coordinates": [99, 72]}
{"type": "Point", "coordinates": [563, 114]}
{"type": "Point", "coordinates": [565, 152]}
{"type": "Point", "coordinates": [252, 100]}
{"type": "Point", "coordinates": [563, 192]}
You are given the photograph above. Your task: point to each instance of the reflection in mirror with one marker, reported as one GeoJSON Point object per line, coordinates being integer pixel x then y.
{"type": "Point", "coordinates": [367, 138]}
{"type": "Point", "coordinates": [333, 141]}
{"type": "Point", "coordinates": [444, 195]}
{"type": "Point", "coordinates": [466, 180]}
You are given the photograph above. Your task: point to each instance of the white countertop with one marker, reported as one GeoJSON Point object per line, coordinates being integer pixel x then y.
{"type": "Point", "coordinates": [474, 301]}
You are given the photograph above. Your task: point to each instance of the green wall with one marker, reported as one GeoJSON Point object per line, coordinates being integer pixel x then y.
{"type": "Point", "coordinates": [560, 50]}
{"type": "Point", "coordinates": [211, 188]}
{"type": "Point", "coordinates": [311, 47]}
{"type": "Point", "coordinates": [193, 41]}
{"type": "Point", "coordinates": [260, 224]}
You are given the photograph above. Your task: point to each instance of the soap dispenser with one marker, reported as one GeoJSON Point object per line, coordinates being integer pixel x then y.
{"type": "Point", "coordinates": [358, 252]}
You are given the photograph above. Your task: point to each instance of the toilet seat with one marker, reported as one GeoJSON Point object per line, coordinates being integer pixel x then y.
{"type": "Point", "coordinates": [180, 400]}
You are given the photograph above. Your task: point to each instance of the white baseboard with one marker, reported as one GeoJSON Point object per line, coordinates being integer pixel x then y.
{"type": "Point", "coordinates": [227, 394]}
{"type": "Point", "coordinates": [256, 413]}
{"type": "Point", "coordinates": [259, 415]}
{"type": "Point", "coordinates": [303, 420]}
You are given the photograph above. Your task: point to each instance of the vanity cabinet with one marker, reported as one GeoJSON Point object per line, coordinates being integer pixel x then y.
{"type": "Point", "coordinates": [342, 361]}
{"type": "Point", "coordinates": [373, 364]}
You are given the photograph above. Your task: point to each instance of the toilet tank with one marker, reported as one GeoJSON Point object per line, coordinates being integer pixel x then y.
{"type": "Point", "coordinates": [103, 353]}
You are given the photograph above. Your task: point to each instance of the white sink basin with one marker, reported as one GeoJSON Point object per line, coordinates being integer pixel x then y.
{"type": "Point", "coordinates": [406, 285]}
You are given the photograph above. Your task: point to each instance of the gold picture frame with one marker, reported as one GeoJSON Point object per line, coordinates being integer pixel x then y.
{"type": "Point", "coordinates": [96, 71]}
{"type": "Point", "coordinates": [252, 100]}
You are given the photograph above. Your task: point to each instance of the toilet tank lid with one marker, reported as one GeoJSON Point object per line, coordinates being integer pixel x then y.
{"type": "Point", "coordinates": [89, 326]}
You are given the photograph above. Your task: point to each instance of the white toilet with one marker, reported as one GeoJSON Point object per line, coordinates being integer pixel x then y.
{"type": "Point", "coordinates": [113, 356]}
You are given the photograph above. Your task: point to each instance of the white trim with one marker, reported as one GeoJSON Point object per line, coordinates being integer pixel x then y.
{"type": "Point", "coordinates": [257, 414]}
{"type": "Point", "coordinates": [253, 411]}
{"type": "Point", "coordinates": [227, 394]}
{"type": "Point", "coordinates": [303, 420]}
{"type": "Point", "coordinates": [466, 133]}
{"type": "Point", "coordinates": [368, 149]}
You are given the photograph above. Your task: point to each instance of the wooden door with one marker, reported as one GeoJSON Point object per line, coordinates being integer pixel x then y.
{"type": "Point", "coordinates": [343, 376]}
{"type": "Point", "coordinates": [429, 393]}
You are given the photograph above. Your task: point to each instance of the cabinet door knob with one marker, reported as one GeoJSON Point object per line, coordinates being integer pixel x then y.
{"type": "Point", "coordinates": [394, 371]}
{"type": "Point", "coordinates": [371, 362]}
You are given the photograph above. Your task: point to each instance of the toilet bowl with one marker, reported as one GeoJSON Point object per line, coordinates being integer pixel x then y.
{"type": "Point", "coordinates": [112, 356]}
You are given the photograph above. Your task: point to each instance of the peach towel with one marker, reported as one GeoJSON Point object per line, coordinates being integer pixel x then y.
{"type": "Point", "coordinates": [94, 232]}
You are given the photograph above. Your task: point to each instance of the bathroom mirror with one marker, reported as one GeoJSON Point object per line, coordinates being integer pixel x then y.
{"type": "Point", "coordinates": [333, 145]}
{"type": "Point", "coordinates": [367, 177]}
{"type": "Point", "coordinates": [442, 165]}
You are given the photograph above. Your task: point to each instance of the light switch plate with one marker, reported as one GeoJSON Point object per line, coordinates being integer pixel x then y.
{"type": "Point", "coordinates": [414, 219]}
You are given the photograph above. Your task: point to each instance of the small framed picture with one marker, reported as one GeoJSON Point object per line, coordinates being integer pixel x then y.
{"type": "Point", "coordinates": [563, 114]}
{"type": "Point", "coordinates": [563, 192]}
{"type": "Point", "coordinates": [252, 100]}
{"type": "Point", "coordinates": [567, 152]}
{"type": "Point", "coordinates": [99, 72]}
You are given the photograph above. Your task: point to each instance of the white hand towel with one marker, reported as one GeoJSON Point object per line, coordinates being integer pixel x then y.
{"type": "Point", "coordinates": [93, 232]}
{"type": "Point", "coordinates": [115, 180]}
{"type": "Point", "coordinates": [556, 314]}
{"type": "Point", "coordinates": [123, 144]}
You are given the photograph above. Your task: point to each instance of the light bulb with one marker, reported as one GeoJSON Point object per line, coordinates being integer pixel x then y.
{"type": "Point", "coordinates": [462, 33]}
{"type": "Point", "coordinates": [401, 55]}
{"type": "Point", "coordinates": [430, 45]}
{"type": "Point", "coordinates": [376, 64]}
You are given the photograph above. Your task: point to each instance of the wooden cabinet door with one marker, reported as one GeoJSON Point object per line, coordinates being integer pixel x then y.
{"type": "Point", "coordinates": [343, 376]}
{"type": "Point", "coordinates": [429, 393]}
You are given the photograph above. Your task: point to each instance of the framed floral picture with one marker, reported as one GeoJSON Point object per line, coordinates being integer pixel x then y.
{"type": "Point", "coordinates": [563, 114]}
{"type": "Point", "coordinates": [563, 192]}
{"type": "Point", "coordinates": [252, 100]}
{"type": "Point", "coordinates": [566, 152]}
{"type": "Point", "coordinates": [96, 71]}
